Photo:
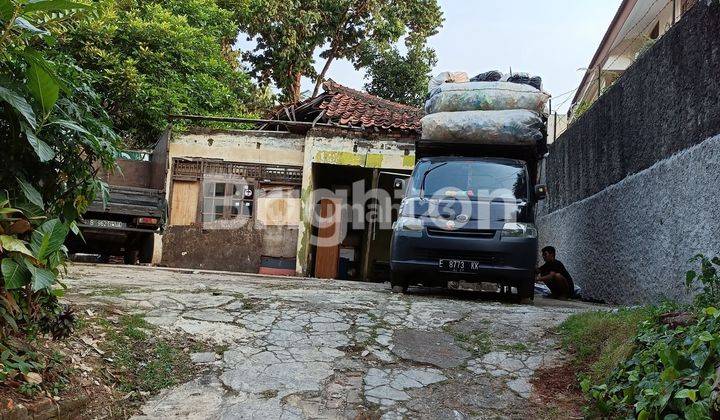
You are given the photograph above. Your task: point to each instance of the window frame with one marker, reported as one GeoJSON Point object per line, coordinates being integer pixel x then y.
{"type": "Point", "coordinates": [228, 199]}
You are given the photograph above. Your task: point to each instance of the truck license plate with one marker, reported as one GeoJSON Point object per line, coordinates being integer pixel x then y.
{"type": "Point", "coordinates": [105, 223]}
{"type": "Point", "coordinates": [459, 266]}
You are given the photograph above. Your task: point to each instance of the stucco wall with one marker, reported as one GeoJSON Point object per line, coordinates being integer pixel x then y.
{"type": "Point", "coordinates": [631, 242]}
{"type": "Point", "coordinates": [667, 101]}
{"type": "Point", "coordinates": [240, 146]}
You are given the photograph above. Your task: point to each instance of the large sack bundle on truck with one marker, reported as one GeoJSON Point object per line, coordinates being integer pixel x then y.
{"type": "Point", "coordinates": [447, 77]}
{"type": "Point", "coordinates": [511, 127]}
{"type": "Point", "coordinates": [485, 96]}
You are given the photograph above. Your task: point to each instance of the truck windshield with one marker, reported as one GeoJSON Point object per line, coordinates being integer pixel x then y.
{"type": "Point", "coordinates": [473, 180]}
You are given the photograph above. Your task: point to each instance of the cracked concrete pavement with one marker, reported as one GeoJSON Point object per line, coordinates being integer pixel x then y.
{"type": "Point", "coordinates": [303, 348]}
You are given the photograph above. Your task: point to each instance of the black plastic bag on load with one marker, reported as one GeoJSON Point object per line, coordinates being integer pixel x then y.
{"type": "Point", "coordinates": [525, 79]}
{"type": "Point", "coordinates": [489, 76]}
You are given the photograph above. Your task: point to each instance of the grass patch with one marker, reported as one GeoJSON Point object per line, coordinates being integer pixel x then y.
{"type": "Point", "coordinates": [142, 361]}
{"type": "Point", "coordinates": [221, 348]}
{"type": "Point", "coordinates": [479, 343]}
{"type": "Point", "coordinates": [269, 394]}
{"type": "Point", "coordinates": [602, 340]}
{"type": "Point", "coordinates": [512, 348]}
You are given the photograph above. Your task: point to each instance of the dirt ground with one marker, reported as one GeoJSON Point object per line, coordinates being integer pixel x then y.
{"type": "Point", "coordinates": [302, 348]}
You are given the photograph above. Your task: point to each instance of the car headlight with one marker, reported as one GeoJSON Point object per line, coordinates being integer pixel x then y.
{"type": "Point", "coordinates": [519, 230]}
{"type": "Point", "coordinates": [409, 223]}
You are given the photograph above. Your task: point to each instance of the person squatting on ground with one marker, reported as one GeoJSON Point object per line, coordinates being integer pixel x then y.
{"type": "Point", "coordinates": [555, 276]}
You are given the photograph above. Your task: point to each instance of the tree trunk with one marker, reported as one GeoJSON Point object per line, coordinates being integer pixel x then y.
{"type": "Point", "coordinates": [334, 45]}
{"type": "Point", "coordinates": [297, 82]}
{"type": "Point", "coordinates": [292, 92]}
{"type": "Point", "coordinates": [321, 76]}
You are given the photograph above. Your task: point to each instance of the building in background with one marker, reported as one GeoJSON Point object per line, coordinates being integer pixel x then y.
{"type": "Point", "coordinates": [557, 124]}
{"type": "Point", "coordinates": [247, 199]}
{"type": "Point", "coordinates": [636, 26]}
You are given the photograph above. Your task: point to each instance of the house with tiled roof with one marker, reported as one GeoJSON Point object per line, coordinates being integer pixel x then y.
{"type": "Point", "coordinates": [249, 198]}
{"type": "Point", "coordinates": [350, 108]}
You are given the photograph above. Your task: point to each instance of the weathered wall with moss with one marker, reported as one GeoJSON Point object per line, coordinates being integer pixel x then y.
{"type": "Point", "coordinates": [345, 148]}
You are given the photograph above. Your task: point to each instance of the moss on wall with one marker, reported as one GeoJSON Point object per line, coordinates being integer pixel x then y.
{"type": "Point", "coordinates": [339, 158]}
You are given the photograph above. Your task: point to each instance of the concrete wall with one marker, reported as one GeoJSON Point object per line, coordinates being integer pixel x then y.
{"type": "Point", "coordinates": [635, 184]}
{"type": "Point", "coordinates": [631, 242]}
{"type": "Point", "coordinates": [240, 146]}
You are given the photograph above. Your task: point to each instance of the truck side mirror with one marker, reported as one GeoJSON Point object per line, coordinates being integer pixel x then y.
{"type": "Point", "coordinates": [399, 184]}
{"type": "Point", "coordinates": [540, 192]}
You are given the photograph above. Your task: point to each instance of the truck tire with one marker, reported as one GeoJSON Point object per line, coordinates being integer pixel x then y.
{"type": "Point", "coordinates": [526, 291]}
{"type": "Point", "coordinates": [130, 257]}
{"type": "Point", "coordinates": [147, 245]}
{"type": "Point", "coordinates": [398, 282]}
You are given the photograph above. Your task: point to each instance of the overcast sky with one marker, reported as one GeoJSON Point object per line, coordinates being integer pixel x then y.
{"type": "Point", "coordinates": [550, 38]}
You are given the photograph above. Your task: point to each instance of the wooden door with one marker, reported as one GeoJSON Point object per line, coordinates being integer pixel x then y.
{"type": "Point", "coordinates": [328, 248]}
{"type": "Point", "coordinates": [184, 208]}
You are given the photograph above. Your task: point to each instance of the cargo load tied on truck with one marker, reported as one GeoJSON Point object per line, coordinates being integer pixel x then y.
{"type": "Point", "coordinates": [468, 216]}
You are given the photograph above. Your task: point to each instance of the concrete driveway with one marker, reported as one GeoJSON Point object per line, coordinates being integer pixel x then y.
{"type": "Point", "coordinates": [300, 348]}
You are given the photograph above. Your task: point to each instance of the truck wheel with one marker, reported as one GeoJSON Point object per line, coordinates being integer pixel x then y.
{"type": "Point", "coordinates": [146, 249]}
{"type": "Point", "coordinates": [526, 291]}
{"type": "Point", "coordinates": [399, 283]}
{"type": "Point", "coordinates": [130, 257]}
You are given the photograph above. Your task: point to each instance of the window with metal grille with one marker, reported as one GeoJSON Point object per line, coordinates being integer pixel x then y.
{"type": "Point", "coordinates": [227, 200]}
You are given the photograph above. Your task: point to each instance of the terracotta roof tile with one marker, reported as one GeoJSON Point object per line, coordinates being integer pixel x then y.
{"type": "Point", "coordinates": [348, 106]}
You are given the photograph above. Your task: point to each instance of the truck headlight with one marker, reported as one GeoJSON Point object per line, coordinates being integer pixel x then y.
{"type": "Point", "coordinates": [409, 223]}
{"type": "Point", "coordinates": [519, 230]}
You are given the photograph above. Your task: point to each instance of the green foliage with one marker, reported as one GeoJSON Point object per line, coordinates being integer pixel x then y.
{"type": "Point", "coordinates": [54, 137]}
{"type": "Point", "coordinates": [708, 279]}
{"type": "Point", "coordinates": [671, 372]}
{"type": "Point", "coordinates": [601, 340]}
{"type": "Point", "coordinates": [401, 78]}
{"type": "Point", "coordinates": [152, 58]}
{"type": "Point", "coordinates": [288, 33]}
{"type": "Point", "coordinates": [582, 108]}
{"type": "Point", "coordinates": [667, 369]}
{"type": "Point", "coordinates": [16, 358]}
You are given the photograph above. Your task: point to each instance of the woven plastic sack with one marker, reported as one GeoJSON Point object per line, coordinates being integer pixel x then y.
{"type": "Point", "coordinates": [513, 127]}
{"type": "Point", "coordinates": [485, 96]}
{"type": "Point", "coordinates": [447, 77]}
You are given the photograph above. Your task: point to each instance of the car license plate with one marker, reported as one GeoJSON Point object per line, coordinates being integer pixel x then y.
{"type": "Point", "coordinates": [105, 223]}
{"type": "Point", "coordinates": [459, 266]}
